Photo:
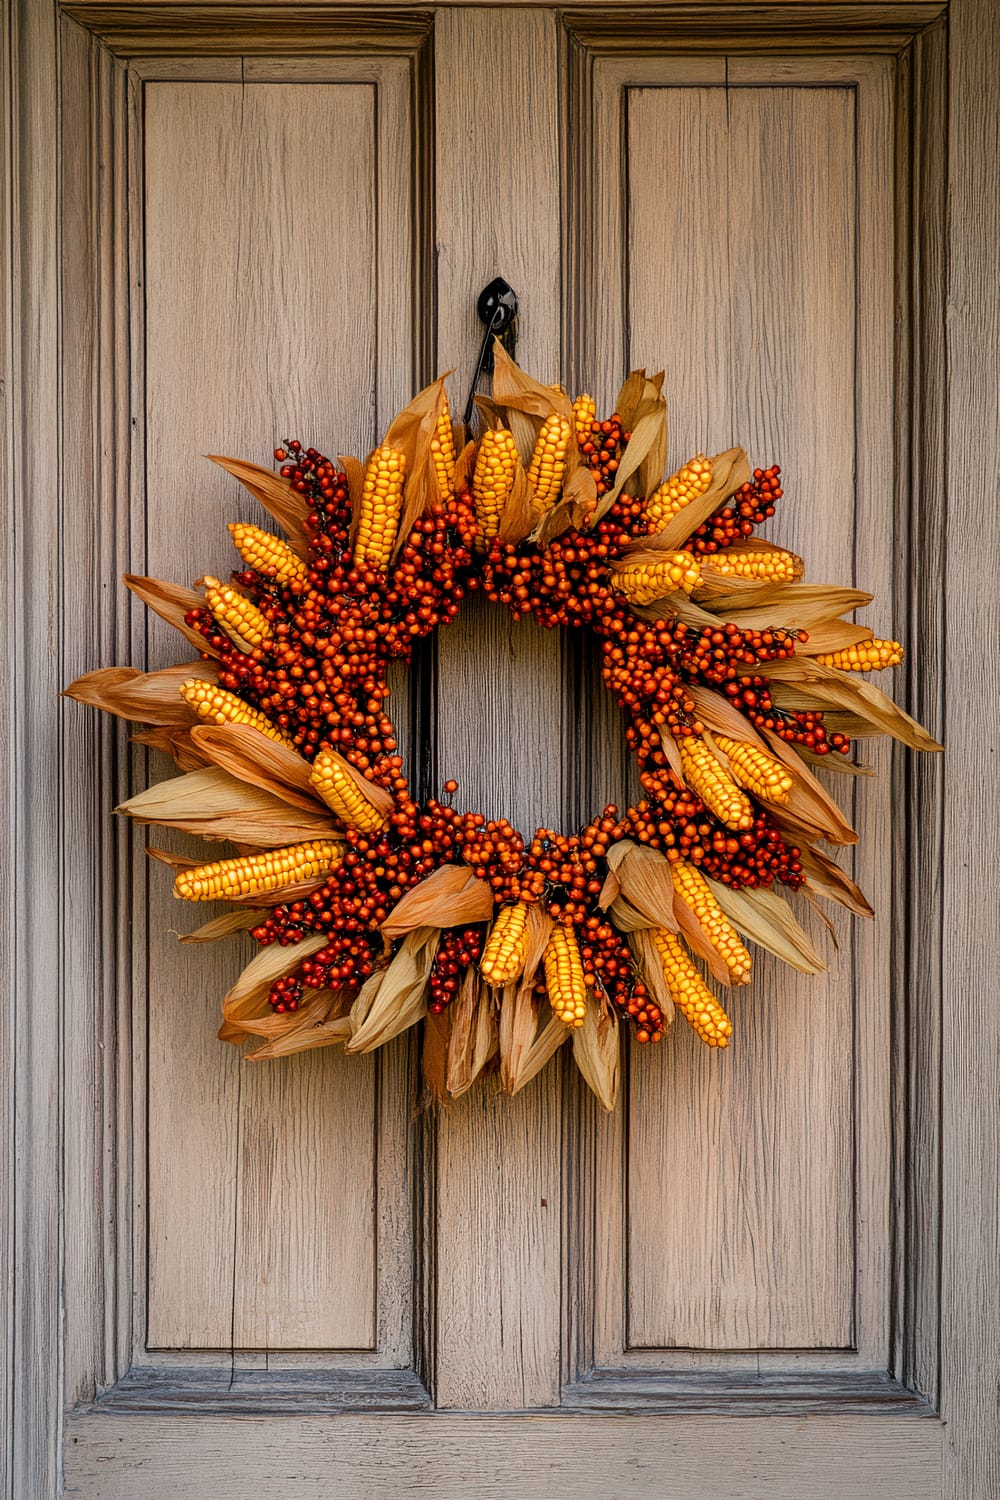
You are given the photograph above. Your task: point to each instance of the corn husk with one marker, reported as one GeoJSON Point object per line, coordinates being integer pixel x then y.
{"type": "Point", "coordinates": [216, 805]}
{"type": "Point", "coordinates": [699, 941]}
{"type": "Point", "coordinates": [275, 495]}
{"type": "Point", "coordinates": [648, 963]}
{"type": "Point", "coordinates": [519, 1010]}
{"type": "Point", "coordinates": [434, 1054]}
{"type": "Point", "coordinates": [261, 762]}
{"type": "Point", "coordinates": [647, 890]}
{"type": "Point", "coordinates": [474, 1038]}
{"type": "Point", "coordinates": [142, 697]}
{"type": "Point", "coordinates": [173, 740]}
{"type": "Point", "coordinates": [827, 687]}
{"type": "Point", "coordinates": [354, 470]}
{"type": "Point", "coordinates": [597, 1053]}
{"type": "Point", "coordinates": [171, 602]}
{"type": "Point", "coordinates": [730, 470]}
{"type": "Point", "coordinates": [395, 997]}
{"type": "Point", "coordinates": [381, 799]}
{"type": "Point", "coordinates": [643, 411]}
{"type": "Point", "coordinates": [318, 1022]}
{"type": "Point", "coordinates": [449, 897]}
{"type": "Point", "coordinates": [245, 1006]}
{"type": "Point", "coordinates": [220, 927]}
{"type": "Point", "coordinates": [766, 919]}
{"type": "Point", "coordinates": [829, 880]}
{"type": "Point", "coordinates": [410, 433]}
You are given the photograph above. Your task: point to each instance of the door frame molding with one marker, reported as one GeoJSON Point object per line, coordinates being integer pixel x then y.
{"type": "Point", "coordinates": [37, 1034]}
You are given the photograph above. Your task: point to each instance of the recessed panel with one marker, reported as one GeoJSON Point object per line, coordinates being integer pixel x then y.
{"type": "Point", "coordinates": [741, 227]}
{"type": "Point", "coordinates": [261, 312]}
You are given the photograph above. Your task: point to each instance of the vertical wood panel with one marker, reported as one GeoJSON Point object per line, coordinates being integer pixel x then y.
{"type": "Point", "coordinates": [740, 1195]}
{"type": "Point", "coordinates": [971, 1042]}
{"type": "Point", "coordinates": [261, 264]}
{"type": "Point", "coordinates": [499, 691]}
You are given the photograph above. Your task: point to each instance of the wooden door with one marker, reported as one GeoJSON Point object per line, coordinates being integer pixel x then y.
{"type": "Point", "coordinates": [766, 1273]}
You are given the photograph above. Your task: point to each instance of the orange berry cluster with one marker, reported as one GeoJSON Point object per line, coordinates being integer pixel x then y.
{"type": "Point", "coordinates": [321, 677]}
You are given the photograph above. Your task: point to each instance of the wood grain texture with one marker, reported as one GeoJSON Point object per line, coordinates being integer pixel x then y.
{"type": "Point", "coordinates": [499, 688]}
{"type": "Point", "coordinates": [740, 1193]}
{"type": "Point", "coordinates": [537, 1458]}
{"type": "Point", "coordinates": [261, 1230]}
{"type": "Point", "coordinates": [971, 1036]}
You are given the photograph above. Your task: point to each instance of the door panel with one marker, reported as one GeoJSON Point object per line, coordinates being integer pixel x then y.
{"type": "Point", "coordinates": [755, 242]}
{"type": "Point", "coordinates": [273, 276]}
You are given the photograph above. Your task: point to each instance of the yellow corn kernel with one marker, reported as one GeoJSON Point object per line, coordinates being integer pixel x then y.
{"type": "Point", "coordinates": [496, 464]}
{"type": "Point", "coordinates": [381, 506]}
{"type": "Point", "coordinates": [689, 991]}
{"type": "Point", "coordinates": [679, 490]}
{"type": "Point", "coordinates": [695, 892]}
{"type": "Point", "coordinates": [238, 616]}
{"type": "Point", "coordinates": [564, 976]}
{"type": "Point", "coordinates": [753, 768]}
{"type": "Point", "coordinates": [548, 460]}
{"type": "Point", "coordinates": [342, 794]}
{"type": "Point", "coordinates": [443, 454]}
{"type": "Point", "coordinates": [764, 567]}
{"type": "Point", "coordinates": [268, 554]}
{"type": "Point", "coordinates": [258, 874]}
{"type": "Point", "coordinates": [716, 788]}
{"type": "Point", "coordinates": [217, 706]}
{"type": "Point", "coordinates": [584, 415]}
{"type": "Point", "coordinates": [643, 582]}
{"type": "Point", "coordinates": [869, 656]}
{"type": "Point", "coordinates": [507, 945]}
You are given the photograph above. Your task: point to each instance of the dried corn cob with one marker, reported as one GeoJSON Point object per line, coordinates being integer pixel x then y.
{"type": "Point", "coordinates": [689, 991]}
{"type": "Point", "coordinates": [217, 706]}
{"type": "Point", "coordinates": [239, 617]}
{"type": "Point", "coordinates": [548, 460]}
{"type": "Point", "coordinates": [765, 567]}
{"type": "Point", "coordinates": [694, 891]}
{"type": "Point", "coordinates": [443, 454]}
{"type": "Point", "coordinates": [753, 768]}
{"type": "Point", "coordinates": [719, 792]}
{"type": "Point", "coordinates": [258, 874]}
{"type": "Point", "coordinates": [869, 656]}
{"type": "Point", "coordinates": [496, 464]}
{"type": "Point", "coordinates": [381, 505]}
{"type": "Point", "coordinates": [643, 582]}
{"type": "Point", "coordinates": [268, 554]}
{"type": "Point", "coordinates": [679, 490]}
{"type": "Point", "coordinates": [564, 976]}
{"type": "Point", "coordinates": [507, 946]}
{"type": "Point", "coordinates": [342, 795]}
{"type": "Point", "coordinates": [584, 415]}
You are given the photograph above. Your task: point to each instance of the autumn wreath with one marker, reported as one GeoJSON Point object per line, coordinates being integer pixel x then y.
{"type": "Point", "coordinates": [372, 911]}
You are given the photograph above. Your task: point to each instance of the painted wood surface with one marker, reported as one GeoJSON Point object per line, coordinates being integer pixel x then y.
{"type": "Point", "coordinates": [499, 696]}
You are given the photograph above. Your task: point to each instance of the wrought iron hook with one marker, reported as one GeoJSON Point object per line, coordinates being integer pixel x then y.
{"type": "Point", "coordinates": [497, 309]}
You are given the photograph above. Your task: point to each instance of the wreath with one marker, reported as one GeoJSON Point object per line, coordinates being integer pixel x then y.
{"type": "Point", "coordinates": [371, 910]}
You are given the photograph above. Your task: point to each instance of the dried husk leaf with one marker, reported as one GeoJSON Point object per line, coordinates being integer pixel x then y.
{"type": "Point", "coordinates": [797, 606]}
{"type": "Point", "coordinates": [245, 1005]}
{"type": "Point", "coordinates": [835, 763]}
{"type": "Point", "coordinates": [648, 963]}
{"type": "Point", "coordinates": [449, 897]}
{"type": "Point", "coordinates": [552, 1035]}
{"type": "Point", "coordinates": [764, 918]}
{"type": "Point", "coordinates": [829, 880]}
{"type": "Point", "coordinates": [174, 861]}
{"type": "Point", "coordinates": [699, 942]}
{"type": "Point", "coordinates": [220, 927]}
{"type": "Point", "coordinates": [729, 470]}
{"type": "Point", "coordinates": [518, 1007]}
{"type": "Point", "coordinates": [309, 1029]}
{"type": "Point", "coordinates": [597, 1053]}
{"type": "Point", "coordinates": [474, 1037]}
{"type": "Point", "coordinates": [645, 452]}
{"type": "Point", "coordinates": [171, 601]}
{"type": "Point", "coordinates": [518, 516]}
{"type": "Point", "coordinates": [141, 697]}
{"type": "Point", "coordinates": [826, 687]}
{"type": "Point", "coordinates": [834, 635]}
{"type": "Point", "coordinates": [213, 803]}
{"type": "Point", "coordinates": [465, 466]}
{"type": "Point", "coordinates": [175, 742]}
{"type": "Point", "coordinates": [277, 497]}
{"type": "Point", "coordinates": [610, 890]}
{"type": "Point", "coordinates": [410, 433]}
{"type": "Point", "coordinates": [262, 762]}
{"type": "Point", "coordinates": [399, 999]}
{"type": "Point", "coordinates": [354, 471]}
{"type": "Point", "coordinates": [647, 891]}
{"type": "Point", "coordinates": [434, 1054]}
{"type": "Point", "coordinates": [518, 391]}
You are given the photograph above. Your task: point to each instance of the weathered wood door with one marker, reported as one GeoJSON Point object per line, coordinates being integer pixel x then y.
{"type": "Point", "coordinates": [767, 1273]}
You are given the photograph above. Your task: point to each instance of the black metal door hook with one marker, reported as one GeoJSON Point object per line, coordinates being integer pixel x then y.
{"type": "Point", "coordinates": [497, 309]}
